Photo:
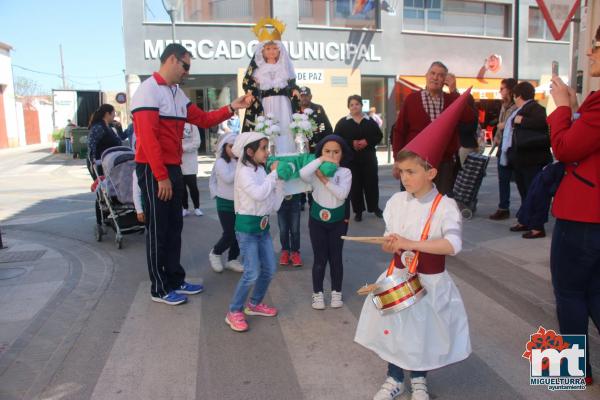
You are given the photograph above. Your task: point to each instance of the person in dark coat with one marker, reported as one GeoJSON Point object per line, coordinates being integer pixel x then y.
{"type": "Point", "coordinates": [319, 116]}
{"type": "Point", "coordinates": [362, 134]}
{"type": "Point", "coordinates": [529, 119]}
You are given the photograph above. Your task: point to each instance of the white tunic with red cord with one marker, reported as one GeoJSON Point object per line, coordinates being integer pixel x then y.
{"type": "Point", "coordinates": [433, 332]}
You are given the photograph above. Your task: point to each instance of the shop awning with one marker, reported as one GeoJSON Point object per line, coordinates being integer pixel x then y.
{"type": "Point", "coordinates": [488, 88]}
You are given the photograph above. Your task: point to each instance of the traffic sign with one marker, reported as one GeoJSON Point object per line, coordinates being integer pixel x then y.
{"type": "Point", "coordinates": [558, 14]}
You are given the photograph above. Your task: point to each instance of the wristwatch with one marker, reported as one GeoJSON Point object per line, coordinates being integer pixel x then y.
{"type": "Point", "coordinates": [231, 110]}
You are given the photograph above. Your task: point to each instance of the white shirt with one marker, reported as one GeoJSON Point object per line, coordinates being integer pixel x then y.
{"type": "Point", "coordinates": [137, 195]}
{"type": "Point", "coordinates": [406, 215]}
{"type": "Point", "coordinates": [255, 192]}
{"type": "Point", "coordinates": [335, 192]}
{"type": "Point", "coordinates": [225, 175]}
{"type": "Point", "coordinates": [190, 144]}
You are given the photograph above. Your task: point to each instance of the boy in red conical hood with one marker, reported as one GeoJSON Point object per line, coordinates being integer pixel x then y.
{"type": "Point", "coordinates": [422, 224]}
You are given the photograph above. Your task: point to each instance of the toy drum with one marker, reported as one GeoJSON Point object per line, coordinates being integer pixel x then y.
{"type": "Point", "coordinates": [397, 292]}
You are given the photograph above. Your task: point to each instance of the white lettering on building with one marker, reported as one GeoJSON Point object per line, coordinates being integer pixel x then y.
{"type": "Point", "coordinates": [236, 49]}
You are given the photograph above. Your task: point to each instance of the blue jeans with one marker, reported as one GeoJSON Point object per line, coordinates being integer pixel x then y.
{"type": "Point", "coordinates": [575, 267]}
{"type": "Point", "coordinates": [398, 374]}
{"type": "Point", "coordinates": [504, 176]}
{"type": "Point", "coordinates": [68, 146]}
{"type": "Point", "coordinates": [288, 218]}
{"type": "Point", "coordinates": [259, 268]}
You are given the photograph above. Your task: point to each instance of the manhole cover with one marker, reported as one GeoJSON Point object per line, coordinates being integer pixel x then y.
{"type": "Point", "coordinates": [10, 273]}
{"type": "Point", "coordinates": [19, 256]}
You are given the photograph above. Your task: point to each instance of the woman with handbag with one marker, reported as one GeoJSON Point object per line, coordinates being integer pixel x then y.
{"type": "Point", "coordinates": [575, 251]}
{"type": "Point", "coordinates": [528, 150]}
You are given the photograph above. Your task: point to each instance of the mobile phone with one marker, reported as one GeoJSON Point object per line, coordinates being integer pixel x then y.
{"type": "Point", "coordinates": [555, 68]}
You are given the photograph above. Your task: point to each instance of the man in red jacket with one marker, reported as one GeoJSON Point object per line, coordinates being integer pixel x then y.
{"type": "Point", "coordinates": [420, 108]}
{"type": "Point", "coordinates": [160, 110]}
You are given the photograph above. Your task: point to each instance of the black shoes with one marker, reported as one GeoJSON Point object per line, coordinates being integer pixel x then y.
{"type": "Point", "coordinates": [534, 235]}
{"type": "Point", "coordinates": [378, 213]}
{"type": "Point", "coordinates": [500, 214]}
{"type": "Point", "coordinates": [519, 228]}
{"type": "Point", "coordinates": [358, 217]}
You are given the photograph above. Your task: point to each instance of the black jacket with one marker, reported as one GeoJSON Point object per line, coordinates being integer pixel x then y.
{"type": "Point", "coordinates": [323, 124]}
{"type": "Point", "coordinates": [367, 129]}
{"type": "Point", "coordinates": [533, 122]}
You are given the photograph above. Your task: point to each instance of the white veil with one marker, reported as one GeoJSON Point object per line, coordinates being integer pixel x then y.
{"type": "Point", "coordinates": [283, 68]}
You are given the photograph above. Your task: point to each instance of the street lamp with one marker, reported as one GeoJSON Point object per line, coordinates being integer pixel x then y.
{"type": "Point", "coordinates": [171, 7]}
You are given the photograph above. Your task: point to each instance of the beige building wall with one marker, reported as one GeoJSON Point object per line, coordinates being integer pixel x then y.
{"type": "Point", "coordinates": [332, 93]}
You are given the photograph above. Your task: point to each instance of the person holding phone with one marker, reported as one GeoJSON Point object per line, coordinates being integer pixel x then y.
{"type": "Point", "coordinates": [575, 249]}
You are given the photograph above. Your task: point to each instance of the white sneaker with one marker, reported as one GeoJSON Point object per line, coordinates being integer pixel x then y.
{"type": "Point", "coordinates": [185, 212]}
{"type": "Point", "coordinates": [336, 299]}
{"type": "Point", "coordinates": [419, 388]}
{"type": "Point", "coordinates": [198, 212]}
{"type": "Point", "coordinates": [389, 390]}
{"type": "Point", "coordinates": [235, 266]}
{"type": "Point", "coordinates": [318, 302]}
{"type": "Point", "coordinates": [215, 261]}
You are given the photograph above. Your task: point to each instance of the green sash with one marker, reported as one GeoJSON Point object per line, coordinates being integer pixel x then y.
{"type": "Point", "coordinates": [224, 204]}
{"type": "Point", "coordinates": [329, 215]}
{"type": "Point", "coordinates": [251, 223]}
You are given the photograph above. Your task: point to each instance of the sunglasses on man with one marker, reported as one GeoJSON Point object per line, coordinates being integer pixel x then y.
{"type": "Point", "coordinates": [185, 65]}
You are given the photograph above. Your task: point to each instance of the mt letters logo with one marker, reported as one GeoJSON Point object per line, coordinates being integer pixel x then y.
{"type": "Point", "coordinates": [557, 361]}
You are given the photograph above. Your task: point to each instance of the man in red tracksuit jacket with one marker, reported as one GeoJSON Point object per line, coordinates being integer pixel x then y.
{"type": "Point", "coordinates": [160, 109]}
{"type": "Point", "coordinates": [419, 109]}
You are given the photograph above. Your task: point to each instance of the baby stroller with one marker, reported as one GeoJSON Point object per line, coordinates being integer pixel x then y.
{"type": "Point", "coordinates": [468, 182]}
{"type": "Point", "coordinates": [114, 194]}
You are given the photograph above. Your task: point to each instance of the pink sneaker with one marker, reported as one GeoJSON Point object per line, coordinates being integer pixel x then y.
{"type": "Point", "coordinates": [261, 309]}
{"type": "Point", "coordinates": [236, 321]}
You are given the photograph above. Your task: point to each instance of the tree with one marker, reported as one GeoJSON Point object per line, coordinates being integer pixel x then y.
{"type": "Point", "coordinates": [26, 87]}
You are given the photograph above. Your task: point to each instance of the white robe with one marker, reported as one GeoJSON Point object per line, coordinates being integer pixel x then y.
{"type": "Point", "coordinates": [433, 332]}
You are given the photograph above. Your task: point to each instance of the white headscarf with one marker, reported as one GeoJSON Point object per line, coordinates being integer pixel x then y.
{"type": "Point", "coordinates": [244, 139]}
{"type": "Point", "coordinates": [228, 138]}
{"type": "Point", "coordinates": [282, 70]}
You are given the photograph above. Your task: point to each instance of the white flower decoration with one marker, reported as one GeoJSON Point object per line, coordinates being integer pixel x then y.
{"type": "Point", "coordinates": [308, 111]}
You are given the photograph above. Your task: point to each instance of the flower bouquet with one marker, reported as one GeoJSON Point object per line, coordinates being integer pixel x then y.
{"type": "Point", "coordinates": [303, 128]}
{"type": "Point", "coordinates": [267, 125]}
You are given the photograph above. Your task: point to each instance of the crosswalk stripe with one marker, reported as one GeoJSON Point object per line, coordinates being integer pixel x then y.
{"type": "Point", "coordinates": [157, 344]}
{"type": "Point", "coordinates": [321, 343]}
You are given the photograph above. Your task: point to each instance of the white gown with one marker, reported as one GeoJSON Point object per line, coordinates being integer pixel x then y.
{"type": "Point", "coordinates": [273, 76]}
{"type": "Point", "coordinates": [433, 332]}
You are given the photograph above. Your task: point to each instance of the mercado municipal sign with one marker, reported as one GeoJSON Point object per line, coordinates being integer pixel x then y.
{"type": "Point", "coordinates": [235, 49]}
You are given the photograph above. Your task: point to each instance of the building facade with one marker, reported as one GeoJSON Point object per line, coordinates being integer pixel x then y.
{"type": "Point", "coordinates": [344, 47]}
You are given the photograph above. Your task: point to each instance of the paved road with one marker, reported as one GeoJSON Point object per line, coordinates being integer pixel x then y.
{"type": "Point", "coordinates": [76, 321]}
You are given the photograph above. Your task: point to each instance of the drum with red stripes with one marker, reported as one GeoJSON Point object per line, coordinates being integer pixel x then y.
{"type": "Point", "coordinates": [397, 292]}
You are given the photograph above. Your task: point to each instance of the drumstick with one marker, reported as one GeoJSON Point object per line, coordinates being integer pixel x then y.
{"type": "Point", "coordinates": [364, 290]}
{"type": "Point", "coordinates": [366, 239]}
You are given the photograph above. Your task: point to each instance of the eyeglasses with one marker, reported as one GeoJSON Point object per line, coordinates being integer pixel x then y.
{"type": "Point", "coordinates": [185, 65]}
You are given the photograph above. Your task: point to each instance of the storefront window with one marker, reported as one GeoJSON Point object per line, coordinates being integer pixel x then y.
{"type": "Point", "coordinates": [340, 13]}
{"type": "Point", "coordinates": [458, 17]}
{"type": "Point", "coordinates": [538, 28]}
{"type": "Point", "coordinates": [373, 92]}
{"type": "Point", "coordinates": [203, 11]}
